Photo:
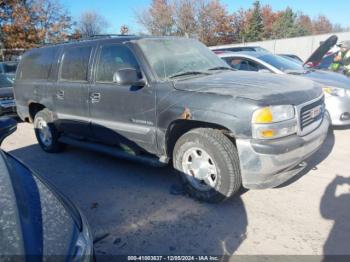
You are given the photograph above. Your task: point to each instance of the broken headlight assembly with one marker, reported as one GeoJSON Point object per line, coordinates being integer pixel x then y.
{"type": "Point", "coordinates": [274, 122]}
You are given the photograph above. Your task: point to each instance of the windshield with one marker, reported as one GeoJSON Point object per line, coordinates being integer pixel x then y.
{"type": "Point", "coordinates": [171, 58]}
{"type": "Point", "coordinates": [282, 63]}
{"type": "Point", "coordinates": [9, 68]}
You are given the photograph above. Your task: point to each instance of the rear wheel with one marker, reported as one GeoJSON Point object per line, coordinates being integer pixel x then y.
{"type": "Point", "coordinates": [46, 133]}
{"type": "Point", "coordinates": [208, 164]}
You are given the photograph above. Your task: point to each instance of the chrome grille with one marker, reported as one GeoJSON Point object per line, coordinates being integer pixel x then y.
{"type": "Point", "coordinates": [312, 113]}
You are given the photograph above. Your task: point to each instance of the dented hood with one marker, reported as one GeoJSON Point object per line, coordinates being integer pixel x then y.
{"type": "Point", "coordinates": [269, 89]}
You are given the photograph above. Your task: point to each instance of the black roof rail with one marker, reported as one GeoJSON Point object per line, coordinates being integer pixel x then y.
{"type": "Point", "coordinates": [109, 35]}
{"type": "Point", "coordinates": [92, 37]}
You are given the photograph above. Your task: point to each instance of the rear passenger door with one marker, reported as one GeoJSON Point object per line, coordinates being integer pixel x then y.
{"type": "Point", "coordinates": [121, 113]}
{"type": "Point", "coordinates": [72, 90]}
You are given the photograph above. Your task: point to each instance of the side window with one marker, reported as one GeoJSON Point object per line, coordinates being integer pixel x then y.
{"type": "Point", "coordinates": [244, 64]}
{"type": "Point", "coordinates": [233, 62]}
{"type": "Point", "coordinates": [37, 64]}
{"type": "Point", "coordinates": [113, 58]}
{"type": "Point", "coordinates": [253, 66]}
{"type": "Point", "coordinates": [75, 63]}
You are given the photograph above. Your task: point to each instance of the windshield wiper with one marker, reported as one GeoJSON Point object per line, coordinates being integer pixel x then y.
{"type": "Point", "coordinates": [221, 68]}
{"type": "Point", "coordinates": [189, 73]}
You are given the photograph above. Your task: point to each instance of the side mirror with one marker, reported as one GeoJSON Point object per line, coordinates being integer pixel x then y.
{"type": "Point", "coordinates": [7, 127]}
{"type": "Point", "coordinates": [264, 71]}
{"type": "Point", "coordinates": [128, 76]}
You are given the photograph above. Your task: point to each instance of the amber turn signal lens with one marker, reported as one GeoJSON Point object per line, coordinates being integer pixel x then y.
{"type": "Point", "coordinates": [263, 116]}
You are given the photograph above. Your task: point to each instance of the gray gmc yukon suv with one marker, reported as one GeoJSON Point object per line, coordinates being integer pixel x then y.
{"type": "Point", "coordinates": [147, 99]}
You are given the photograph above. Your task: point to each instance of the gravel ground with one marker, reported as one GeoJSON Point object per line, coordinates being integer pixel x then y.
{"type": "Point", "coordinates": [132, 208]}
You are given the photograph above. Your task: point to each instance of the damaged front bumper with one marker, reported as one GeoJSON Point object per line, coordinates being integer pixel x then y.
{"type": "Point", "coordinates": [268, 164]}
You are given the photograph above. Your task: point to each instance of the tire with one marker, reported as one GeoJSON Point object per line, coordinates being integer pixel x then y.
{"type": "Point", "coordinates": [194, 156]}
{"type": "Point", "coordinates": [46, 133]}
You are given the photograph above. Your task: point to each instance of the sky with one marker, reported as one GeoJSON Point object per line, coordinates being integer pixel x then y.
{"type": "Point", "coordinates": [119, 12]}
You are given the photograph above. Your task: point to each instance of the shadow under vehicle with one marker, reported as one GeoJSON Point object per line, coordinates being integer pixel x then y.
{"type": "Point", "coordinates": [162, 99]}
{"type": "Point", "coordinates": [36, 220]}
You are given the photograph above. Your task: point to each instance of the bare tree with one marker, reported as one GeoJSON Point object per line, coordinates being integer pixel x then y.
{"type": "Point", "coordinates": [158, 19]}
{"type": "Point", "coordinates": [124, 30]}
{"type": "Point", "coordinates": [206, 19]}
{"type": "Point", "coordinates": [214, 23]}
{"type": "Point", "coordinates": [91, 23]}
{"type": "Point", "coordinates": [52, 20]}
{"type": "Point", "coordinates": [322, 25]}
{"type": "Point", "coordinates": [186, 17]}
{"type": "Point", "coordinates": [27, 24]}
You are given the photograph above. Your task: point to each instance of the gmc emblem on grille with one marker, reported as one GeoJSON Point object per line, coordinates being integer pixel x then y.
{"type": "Point", "coordinates": [315, 112]}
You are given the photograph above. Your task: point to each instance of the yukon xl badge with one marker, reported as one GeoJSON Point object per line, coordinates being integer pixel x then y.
{"type": "Point", "coordinates": [143, 122]}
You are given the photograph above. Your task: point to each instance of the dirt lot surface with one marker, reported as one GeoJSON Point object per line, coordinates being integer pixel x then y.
{"type": "Point", "coordinates": [132, 208]}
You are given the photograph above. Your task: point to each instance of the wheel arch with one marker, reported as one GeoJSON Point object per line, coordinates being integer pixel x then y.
{"type": "Point", "coordinates": [179, 127]}
{"type": "Point", "coordinates": [34, 108]}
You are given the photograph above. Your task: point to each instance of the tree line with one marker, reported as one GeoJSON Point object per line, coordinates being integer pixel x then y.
{"type": "Point", "coordinates": [213, 24]}
{"type": "Point", "coordinates": [26, 24]}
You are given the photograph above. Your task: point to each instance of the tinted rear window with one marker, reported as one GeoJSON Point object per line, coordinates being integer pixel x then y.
{"type": "Point", "coordinates": [9, 68]}
{"type": "Point", "coordinates": [37, 64]}
{"type": "Point", "coordinates": [75, 63]}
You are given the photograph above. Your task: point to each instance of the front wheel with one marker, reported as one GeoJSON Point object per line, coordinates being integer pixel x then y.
{"type": "Point", "coordinates": [208, 164]}
{"type": "Point", "coordinates": [46, 133]}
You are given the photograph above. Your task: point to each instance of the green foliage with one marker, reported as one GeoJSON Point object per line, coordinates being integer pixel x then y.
{"type": "Point", "coordinates": [255, 28]}
{"type": "Point", "coordinates": [286, 26]}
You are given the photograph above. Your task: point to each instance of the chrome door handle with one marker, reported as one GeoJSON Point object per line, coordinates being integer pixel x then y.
{"type": "Point", "coordinates": [95, 97]}
{"type": "Point", "coordinates": [60, 94]}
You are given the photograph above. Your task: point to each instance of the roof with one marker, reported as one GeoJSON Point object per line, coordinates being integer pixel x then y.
{"type": "Point", "coordinates": [111, 39]}
{"type": "Point", "coordinates": [231, 47]}
{"type": "Point", "coordinates": [255, 54]}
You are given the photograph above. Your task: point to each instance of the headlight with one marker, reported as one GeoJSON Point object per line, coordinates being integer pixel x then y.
{"type": "Point", "coordinates": [336, 91]}
{"type": "Point", "coordinates": [273, 114]}
{"type": "Point", "coordinates": [274, 122]}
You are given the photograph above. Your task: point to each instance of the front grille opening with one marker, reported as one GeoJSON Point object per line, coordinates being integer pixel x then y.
{"type": "Point", "coordinates": [312, 113]}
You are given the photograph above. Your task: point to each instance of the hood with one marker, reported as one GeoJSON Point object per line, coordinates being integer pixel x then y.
{"type": "Point", "coordinates": [321, 51]}
{"type": "Point", "coordinates": [326, 78]}
{"type": "Point", "coordinates": [36, 222]}
{"type": "Point", "coordinates": [268, 89]}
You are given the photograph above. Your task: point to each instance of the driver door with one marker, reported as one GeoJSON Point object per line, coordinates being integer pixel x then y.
{"type": "Point", "coordinates": [121, 114]}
